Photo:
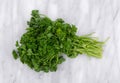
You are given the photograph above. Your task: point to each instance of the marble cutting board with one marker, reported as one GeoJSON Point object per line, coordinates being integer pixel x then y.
{"type": "Point", "coordinates": [99, 16]}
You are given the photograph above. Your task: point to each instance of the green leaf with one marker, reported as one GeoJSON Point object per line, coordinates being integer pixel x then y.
{"type": "Point", "coordinates": [15, 54]}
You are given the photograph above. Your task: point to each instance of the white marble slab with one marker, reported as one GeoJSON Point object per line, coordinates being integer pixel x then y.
{"type": "Point", "coordinates": [100, 16]}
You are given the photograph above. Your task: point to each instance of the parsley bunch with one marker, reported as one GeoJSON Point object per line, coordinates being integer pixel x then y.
{"type": "Point", "coordinates": [45, 41]}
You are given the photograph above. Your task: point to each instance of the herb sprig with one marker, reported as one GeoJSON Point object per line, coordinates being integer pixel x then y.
{"type": "Point", "coordinates": [42, 46]}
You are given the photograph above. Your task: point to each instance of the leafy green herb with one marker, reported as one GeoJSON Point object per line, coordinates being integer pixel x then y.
{"type": "Point", "coordinates": [42, 46]}
{"type": "Point", "coordinates": [15, 54]}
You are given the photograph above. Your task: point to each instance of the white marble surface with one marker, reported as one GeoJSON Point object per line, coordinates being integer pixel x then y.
{"type": "Point", "coordinates": [100, 16]}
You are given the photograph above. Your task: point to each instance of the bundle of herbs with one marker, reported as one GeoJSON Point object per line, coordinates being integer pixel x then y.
{"type": "Point", "coordinates": [45, 41]}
